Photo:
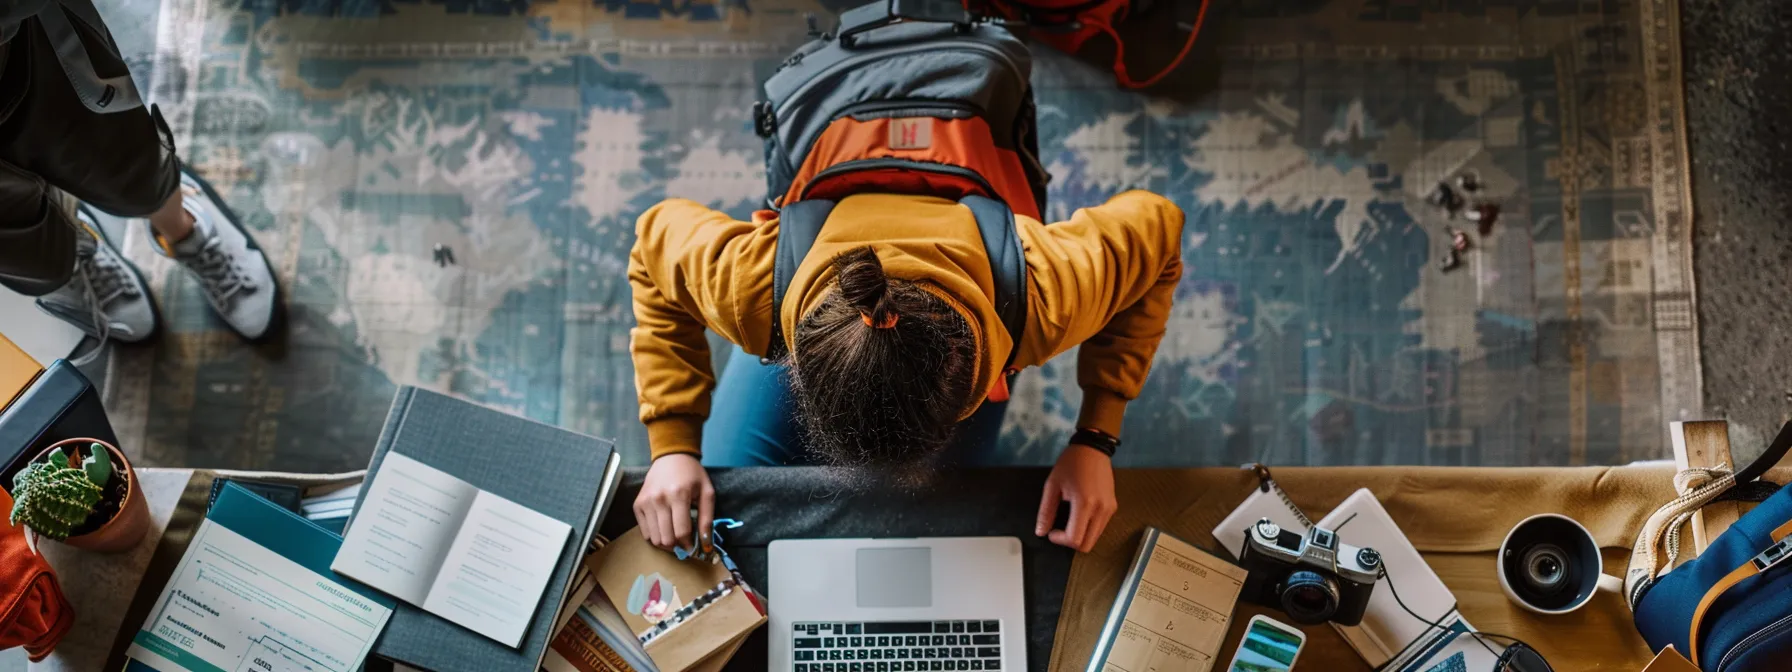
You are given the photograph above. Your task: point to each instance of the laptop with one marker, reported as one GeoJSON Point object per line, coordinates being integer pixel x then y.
{"type": "Point", "coordinates": [897, 605]}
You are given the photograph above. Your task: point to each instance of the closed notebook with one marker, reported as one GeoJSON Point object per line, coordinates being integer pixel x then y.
{"type": "Point", "coordinates": [555, 472]}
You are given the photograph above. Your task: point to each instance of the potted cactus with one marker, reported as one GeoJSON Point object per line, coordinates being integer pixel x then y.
{"type": "Point", "coordinates": [83, 492]}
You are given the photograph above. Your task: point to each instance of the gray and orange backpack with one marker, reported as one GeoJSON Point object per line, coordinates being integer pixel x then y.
{"type": "Point", "coordinates": [910, 97]}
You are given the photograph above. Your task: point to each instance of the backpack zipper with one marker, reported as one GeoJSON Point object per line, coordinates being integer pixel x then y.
{"type": "Point", "coordinates": [887, 53]}
{"type": "Point", "coordinates": [874, 164]}
{"type": "Point", "coordinates": [1772, 629]}
{"type": "Point", "coordinates": [909, 107]}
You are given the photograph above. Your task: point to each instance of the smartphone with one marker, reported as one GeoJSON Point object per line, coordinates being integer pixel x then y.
{"type": "Point", "coordinates": [1268, 646]}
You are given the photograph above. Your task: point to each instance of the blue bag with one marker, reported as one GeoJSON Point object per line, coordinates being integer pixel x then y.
{"type": "Point", "coordinates": [1729, 609]}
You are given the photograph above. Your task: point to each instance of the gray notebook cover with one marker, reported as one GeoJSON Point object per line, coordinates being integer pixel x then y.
{"type": "Point", "coordinates": [545, 468]}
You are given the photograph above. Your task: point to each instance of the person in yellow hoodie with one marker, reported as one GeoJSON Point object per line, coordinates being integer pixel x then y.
{"type": "Point", "coordinates": [898, 361]}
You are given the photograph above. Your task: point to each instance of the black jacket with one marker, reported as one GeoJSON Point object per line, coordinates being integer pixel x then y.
{"type": "Point", "coordinates": [12, 12]}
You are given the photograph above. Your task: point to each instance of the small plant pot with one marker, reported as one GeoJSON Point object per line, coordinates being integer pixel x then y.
{"type": "Point", "coordinates": [121, 518]}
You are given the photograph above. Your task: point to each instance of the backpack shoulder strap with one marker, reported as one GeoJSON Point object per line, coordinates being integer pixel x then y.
{"type": "Point", "coordinates": [798, 225]}
{"type": "Point", "coordinates": [1007, 263]}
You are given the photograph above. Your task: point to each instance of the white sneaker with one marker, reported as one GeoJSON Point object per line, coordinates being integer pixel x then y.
{"type": "Point", "coordinates": [225, 260]}
{"type": "Point", "coordinates": [107, 297]}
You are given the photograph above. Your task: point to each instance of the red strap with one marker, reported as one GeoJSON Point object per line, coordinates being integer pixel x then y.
{"type": "Point", "coordinates": [1120, 52]}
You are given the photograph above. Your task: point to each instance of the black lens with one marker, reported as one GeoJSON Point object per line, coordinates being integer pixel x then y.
{"type": "Point", "coordinates": [1545, 568]}
{"type": "Point", "coordinates": [1521, 658]}
{"type": "Point", "coordinates": [1309, 598]}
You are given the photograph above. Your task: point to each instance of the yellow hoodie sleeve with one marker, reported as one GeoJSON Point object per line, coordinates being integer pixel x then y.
{"type": "Point", "coordinates": [1104, 280]}
{"type": "Point", "coordinates": [693, 268]}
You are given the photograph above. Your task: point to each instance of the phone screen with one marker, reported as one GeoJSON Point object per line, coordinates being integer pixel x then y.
{"type": "Point", "coordinates": [1266, 648]}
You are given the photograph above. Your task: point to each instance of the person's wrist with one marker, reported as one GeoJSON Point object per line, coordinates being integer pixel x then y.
{"type": "Point", "coordinates": [1096, 440]}
{"type": "Point", "coordinates": [676, 454]}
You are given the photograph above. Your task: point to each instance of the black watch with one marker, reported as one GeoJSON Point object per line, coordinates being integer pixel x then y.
{"type": "Point", "coordinates": [1097, 439]}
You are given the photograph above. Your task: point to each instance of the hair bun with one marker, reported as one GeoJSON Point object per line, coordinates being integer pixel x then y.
{"type": "Point", "coordinates": [863, 283]}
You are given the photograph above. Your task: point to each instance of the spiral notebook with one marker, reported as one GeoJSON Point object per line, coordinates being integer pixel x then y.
{"type": "Point", "coordinates": [1267, 501]}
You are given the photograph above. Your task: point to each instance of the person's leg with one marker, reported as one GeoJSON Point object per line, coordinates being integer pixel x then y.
{"type": "Point", "coordinates": [199, 231]}
{"type": "Point", "coordinates": [120, 162]}
{"type": "Point", "coordinates": [37, 242]}
{"type": "Point", "coordinates": [752, 420]}
{"type": "Point", "coordinates": [41, 136]}
{"type": "Point", "coordinates": [172, 222]}
{"type": "Point", "coordinates": [123, 162]}
{"type": "Point", "coordinates": [107, 298]}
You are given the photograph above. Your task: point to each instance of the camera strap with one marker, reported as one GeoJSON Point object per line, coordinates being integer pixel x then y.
{"type": "Point", "coordinates": [1267, 484]}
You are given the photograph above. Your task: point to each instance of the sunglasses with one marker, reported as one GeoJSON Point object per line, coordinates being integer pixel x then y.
{"type": "Point", "coordinates": [1522, 658]}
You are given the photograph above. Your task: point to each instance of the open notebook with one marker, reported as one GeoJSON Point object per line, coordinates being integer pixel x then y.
{"type": "Point", "coordinates": [563, 475]}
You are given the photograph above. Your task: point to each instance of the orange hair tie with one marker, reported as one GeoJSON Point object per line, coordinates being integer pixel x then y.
{"type": "Point", "coordinates": [889, 321]}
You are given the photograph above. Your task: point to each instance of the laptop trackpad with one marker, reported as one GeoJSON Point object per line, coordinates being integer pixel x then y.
{"type": "Point", "coordinates": [895, 577]}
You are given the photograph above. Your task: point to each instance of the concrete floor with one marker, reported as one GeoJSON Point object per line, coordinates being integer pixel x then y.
{"type": "Point", "coordinates": [1739, 90]}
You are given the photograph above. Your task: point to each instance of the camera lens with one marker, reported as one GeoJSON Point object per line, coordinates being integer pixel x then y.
{"type": "Point", "coordinates": [1545, 568]}
{"type": "Point", "coordinates": [1309, 598]}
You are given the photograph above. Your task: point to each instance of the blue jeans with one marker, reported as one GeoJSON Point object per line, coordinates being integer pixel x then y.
{"type": "Point", "coordinates": [752, 421]}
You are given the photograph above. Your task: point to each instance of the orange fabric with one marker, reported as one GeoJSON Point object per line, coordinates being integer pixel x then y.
{"type": "Point", "coordinates": [966, 143]}
{"type": "Point", "coordinates": [33, 611]}
{"type": "Point", "coordinates": [1070, 28]}
{"type": "Point", "coordinates": [1102, 280]}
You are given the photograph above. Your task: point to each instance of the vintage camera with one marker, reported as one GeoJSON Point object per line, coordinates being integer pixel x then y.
{"type": "Point", "coordinates": [1313, 579]}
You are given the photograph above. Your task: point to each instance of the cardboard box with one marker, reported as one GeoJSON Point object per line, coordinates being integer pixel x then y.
{"type": "Point", "coordinates": [17, 370]}
{"type": "Point", "coordinates": [1670, 660]}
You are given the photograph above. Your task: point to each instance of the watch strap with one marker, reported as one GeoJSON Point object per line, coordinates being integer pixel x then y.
{"type": "Point", "coordinates": [1102, 441]}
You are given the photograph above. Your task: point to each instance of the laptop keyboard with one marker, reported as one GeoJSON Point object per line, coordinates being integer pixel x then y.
{"type": "Point", "coordinates": [899, 646]}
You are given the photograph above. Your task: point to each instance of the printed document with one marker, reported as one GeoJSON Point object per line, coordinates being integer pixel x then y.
{"type": "Point", "coordinates": [479, 560]}
{"type": "Point", "coordinates": [233, 604]}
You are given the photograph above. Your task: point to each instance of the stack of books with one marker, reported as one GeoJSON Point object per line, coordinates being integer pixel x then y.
{"type": "Point", "coordinates": [458, 552]}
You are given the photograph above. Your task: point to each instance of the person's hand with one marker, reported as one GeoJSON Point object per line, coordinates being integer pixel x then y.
{"type": "Point", "coordinates": [1084, 477]}
{"type": "Point", "coordinates": [663, 508]}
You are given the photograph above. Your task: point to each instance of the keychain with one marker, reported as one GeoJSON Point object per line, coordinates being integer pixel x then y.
{"type": "Point", "coordinates": [711, 547]}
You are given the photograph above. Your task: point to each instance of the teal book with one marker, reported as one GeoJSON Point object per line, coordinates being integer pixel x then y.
{"type": "Point", "coordinates": [254, 592]}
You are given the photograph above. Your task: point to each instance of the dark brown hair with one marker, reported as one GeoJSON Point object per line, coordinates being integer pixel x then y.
{"type": "Point", "coordinates": [881, 371]}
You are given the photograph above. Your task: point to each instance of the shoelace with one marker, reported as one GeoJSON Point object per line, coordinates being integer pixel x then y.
{"type": "Point", "coordinates": [98, 316]}
{"type": "Point", "coordinates": [108, 278]}
{"type": "Point", "coordinates": [223, 278]}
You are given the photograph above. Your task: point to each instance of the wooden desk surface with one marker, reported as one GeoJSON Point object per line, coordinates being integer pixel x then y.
{"type": "Point", "coordinates": [1455, 517]}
